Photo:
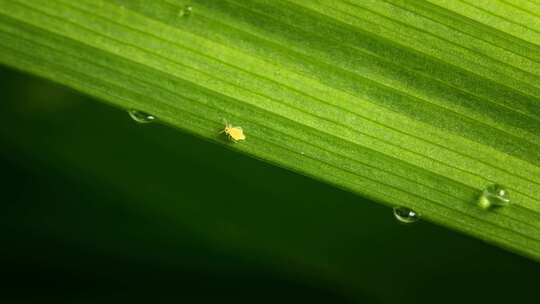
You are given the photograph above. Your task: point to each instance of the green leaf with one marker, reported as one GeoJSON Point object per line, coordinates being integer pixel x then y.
{"type": "Point", "coordinates": [414, 103]}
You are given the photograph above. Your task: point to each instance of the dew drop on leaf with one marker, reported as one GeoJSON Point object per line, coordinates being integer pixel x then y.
{"type": "Point", "coordinates": [405, 215]}
{"type": "Point", "coordinates": [494, 195]}
{"type": "Point", "coordinates": [141, 117]}
{"type": "Point", "coordinates": [185, 11]}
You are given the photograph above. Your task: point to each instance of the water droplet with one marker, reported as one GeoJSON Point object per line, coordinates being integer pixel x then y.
{"type": "Point", "coordinates": [405, 215]}
{"type": "Point", "coordinates": [141, 117]}
{"type": "Point", "coordinates": [494, 195]}
{"type": "Point", "coordinates": [185, 11]}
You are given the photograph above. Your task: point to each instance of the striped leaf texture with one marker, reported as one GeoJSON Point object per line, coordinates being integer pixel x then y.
{"type": "Point", "coordinates": [417, 103]}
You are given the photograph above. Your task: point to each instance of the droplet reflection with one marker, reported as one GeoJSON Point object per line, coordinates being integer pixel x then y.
{"type": "Point", "coordinates": [405, 215]}
{"type": "Point", "coordinates": [141, 117]}
{"type": "Point", "coordinates": [185, 11]}
{"type": "Point", "coordinates": [494, 195]}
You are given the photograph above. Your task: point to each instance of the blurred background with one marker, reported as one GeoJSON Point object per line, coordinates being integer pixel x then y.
{"type": "Point", "coordinates": [96, 208]}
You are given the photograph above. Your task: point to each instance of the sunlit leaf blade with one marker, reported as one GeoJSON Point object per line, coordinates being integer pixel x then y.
{"type": "Point", "coordinates": [414, 103]}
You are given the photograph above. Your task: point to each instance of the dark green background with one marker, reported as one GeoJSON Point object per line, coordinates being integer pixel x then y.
{"type": "Point", "coordinates": [96, 208]}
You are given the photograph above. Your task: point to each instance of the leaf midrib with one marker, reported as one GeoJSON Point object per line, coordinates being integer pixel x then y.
{"type": "Point", "coordinates": [432, 47]}
{"type": "Point", "coordinates": [503, 36]}
{"type": "Point", "coordinates": [428, 33]}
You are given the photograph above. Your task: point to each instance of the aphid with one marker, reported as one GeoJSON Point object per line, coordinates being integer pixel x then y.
{"type": "Point", "coordinates": [234, 133]}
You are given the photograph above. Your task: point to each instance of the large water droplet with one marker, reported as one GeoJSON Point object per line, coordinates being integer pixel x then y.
{"type": "Point", "coordinates": [494, 195]}
{"type": "Point", "coordinates": [141, 117]}
{"type": "Point", "coordinates": [406, 215]}
{"type": "Point", "coordinates": [185, 11]}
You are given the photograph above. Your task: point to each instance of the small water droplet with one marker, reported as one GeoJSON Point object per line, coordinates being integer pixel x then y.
{"type": "Point", "coordinates": [405, 215]}
{"type": "Point", "coordinates": [494, 195]}
{"type": "Point", "coordinates": [141, 117]}
{"type": "Point", "coordinates": [185, 11]}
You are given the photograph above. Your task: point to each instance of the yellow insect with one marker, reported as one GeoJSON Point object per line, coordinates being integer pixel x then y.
{"type": "Point", "coordinates": [234, 133]}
